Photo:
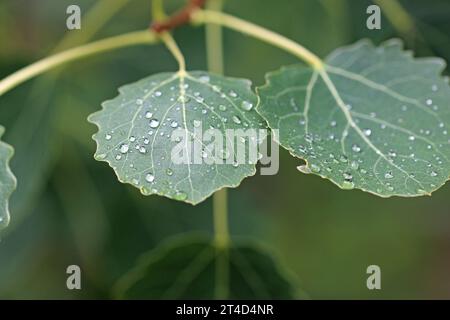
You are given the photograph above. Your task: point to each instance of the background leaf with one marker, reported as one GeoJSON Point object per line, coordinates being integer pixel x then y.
{"type": "Point", "coordinates": [188, 268]}
{"type": "Point", "coordinates": [135, 133]}
{"type": "Point", "coordinates": [7, 180]}
{"type": "Point", "coordinates": [376, 119]}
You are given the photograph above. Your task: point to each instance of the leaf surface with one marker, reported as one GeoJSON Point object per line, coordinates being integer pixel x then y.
{"type": "Point", "coordinates": [191, 267]}
{"type": "Point", "coordinates": [375, 119]}
{"type": "Point", "coordinates": [7, 180]}
{"type": "Point", "coordinates": [140, 129]}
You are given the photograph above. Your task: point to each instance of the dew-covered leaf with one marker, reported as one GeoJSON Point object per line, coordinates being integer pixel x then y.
{"type": "Point", "coordinates": [7, 180]}
{"type": "Point", "coordinates": [154, 118]}
{"type": "Point", "coordinates": [375, 119]}
{"type": "Point", "coordinates": [191, 267]}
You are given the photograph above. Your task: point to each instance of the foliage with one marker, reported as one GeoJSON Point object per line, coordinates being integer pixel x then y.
{"type": "Point", "coordinates": [361, 131]}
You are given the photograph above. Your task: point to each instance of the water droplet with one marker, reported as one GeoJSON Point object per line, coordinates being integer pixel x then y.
{"type": "Point", "coordinates": [411, 138]}
{"type": "Point", "coordinates": [356, 148]}
{"type": "Point", "coordinates": [124, 148]}
{"type": "Point", "coordinates": [388, 175]}
{"type": "Point", "coordinates": [433, 173]}
{"type": "Point", "coordinates": [392, 153]}
{"type": "Point", "coordinates": [154, 123]}
{"type": "Point", "coordinates": [354, 165]}
{"type": "Point", "coordinates": [246, 105]}
{"type": "Point", "coordinates": [180, 196]}
{"type": "Point", "coordinates": [148, 114]}
{"type": "Point", "coordinates": [333, 123]}
{"type": "Point", "coordinates": [132, 139]}
{"type": "Point", "coordinates": [142, 150]}
{"type": "Point", "coordinates": [348, 176]}
{"type": "Point", "coordinates": [174, 124]}
{"type": "Point", "coordinates": [308, 138]}
{"type": "Point", "coordinates": [233, 94]}
{"type": "Point", "coordinates": [197, 123]}
{"type": "Point", "coordinates": [367, 132]}
{"type": "Point", "coordinates": [169, 172]}
{"type": "Point", "coordinates": [343, 159]}
{"type": "Point", "coordinates": [150, 177]}
{"type": "Point", "coordinates": [429, 102]}
{"type": "Point", "coordinates": [222, 108]}
{"type": "Point", "coordinates": [158, 94]}
{"type": "Point", "coordinates": [236, 120]}
{"type": "Point", "coordinates": [118, 157]}
{"type": "Point", "coordinates": [108, 137]}
{"type": "Point", "coordinates": [348, 185]}
{"type": "Point", "coordinates": [139, 101]}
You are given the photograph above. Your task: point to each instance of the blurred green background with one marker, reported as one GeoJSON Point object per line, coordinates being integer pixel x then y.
{"type": "Point", "coordinates": [69, 209]}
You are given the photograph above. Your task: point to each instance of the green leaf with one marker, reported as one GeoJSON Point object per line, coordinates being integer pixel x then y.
{"type": "Point", "coordinates": [191, 267]}
{"type": "Point", "coordinates": [135, 132]}
{"type": "Point", "coordinates": [375, 119]}
{"type": "Point", "coordinates": [7, 180]}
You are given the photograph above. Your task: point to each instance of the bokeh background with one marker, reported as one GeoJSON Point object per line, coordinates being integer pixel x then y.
{"type": "Point", "coordinates": [70, 209]}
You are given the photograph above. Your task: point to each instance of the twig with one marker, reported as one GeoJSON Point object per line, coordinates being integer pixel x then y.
{"type": "Point", "coordinates": [178, 19]}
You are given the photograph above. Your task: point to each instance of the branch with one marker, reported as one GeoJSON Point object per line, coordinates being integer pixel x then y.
{"type": "Point", "coordinates": [41, 66]}
{"type": "Point", "coordinates": [178, 19]}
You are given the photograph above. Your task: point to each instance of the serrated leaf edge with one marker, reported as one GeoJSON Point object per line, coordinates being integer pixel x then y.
{"type": "Point", "coordinates": [121, 89]}
{"type": "Point", "coordinates": [10, 154]}
{"type": "Point", "coordinates": [395, 41]}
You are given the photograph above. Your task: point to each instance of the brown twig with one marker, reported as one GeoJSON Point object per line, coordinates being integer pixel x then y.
{"type": "Point", "coordinates": [179, 18]}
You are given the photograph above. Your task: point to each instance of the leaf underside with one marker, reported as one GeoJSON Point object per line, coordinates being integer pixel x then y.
{"type": "Point", "coordinates": [135, 132]}
{"type": "Point", "coordinates": [189, 268]}
{"type": "Point", "coordinates": [7, 180]}
{"type": "Point", "coordinates": [375, 119]}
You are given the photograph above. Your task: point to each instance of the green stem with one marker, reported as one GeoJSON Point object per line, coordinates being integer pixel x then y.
{"type": "Point", "coordinates": [245, 27]}
{"type": "Point", "coordinates": [125, 40]}
{"type": "Point", "coordinates": [220, 212]}
{"type": "Point", "coordinates": [397, 15]}
{"type": "Point", "coordinates": [158, 13]}
{"type": "Point", "coordinates": [214, 41]}
{"type": "Point", "coordinates": [170, 43]}
{"type": "Point", "coordinates": [221, 243]}
{"type": "Point", "coordinates": [214, 53]}
{"type": "Point", "coordinates": [95, 19]}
